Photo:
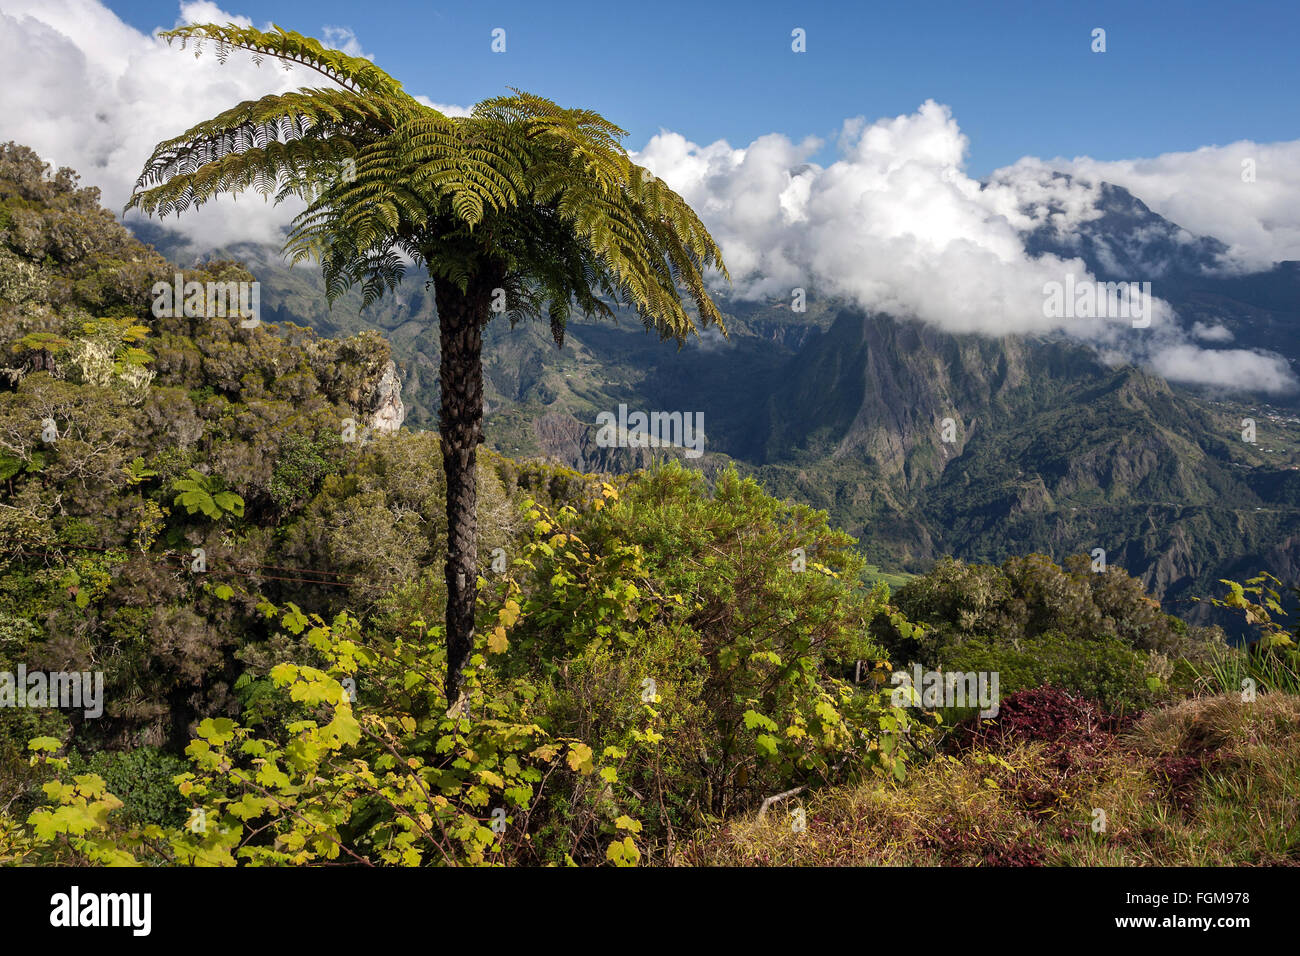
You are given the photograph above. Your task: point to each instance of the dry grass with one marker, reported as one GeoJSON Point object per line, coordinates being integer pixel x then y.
{"type": "Point", "coordinates": [1206, 782]}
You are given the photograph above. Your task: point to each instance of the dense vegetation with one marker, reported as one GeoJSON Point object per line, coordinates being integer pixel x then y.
{"type": "Point", "coordinates": [1092, 632]}
{"type": "Point", "coordinates": [658, 653]}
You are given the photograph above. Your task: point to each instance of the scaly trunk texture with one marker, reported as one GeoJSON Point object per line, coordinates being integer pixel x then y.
{"type": "Point", "coordinates": [461, 317]}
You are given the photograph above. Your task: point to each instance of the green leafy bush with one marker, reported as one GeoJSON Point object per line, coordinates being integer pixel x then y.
{"type": "Point", "coordinates": [144, 778]}
{"type": "Point", "coordinates": [1103, 669]}
{"type": "Point", "coordinates": [1094, 633]}
{"type": "Point", "coordinates": [665, 599]}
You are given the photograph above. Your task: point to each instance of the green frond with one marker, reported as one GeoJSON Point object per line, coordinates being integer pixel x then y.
{"type": "Point", "coordinates": [351, 72]}
{"type": "Point", "coordinates": [548, 195]}
{"type": "Point", "coordinates": [294, 135]}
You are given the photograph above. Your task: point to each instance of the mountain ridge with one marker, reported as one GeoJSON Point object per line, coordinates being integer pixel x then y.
{"type": "Point", "coordinates": [844, 409]}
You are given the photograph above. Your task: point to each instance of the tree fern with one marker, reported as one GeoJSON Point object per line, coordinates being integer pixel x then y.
{"type": "Point", "coordinates": [523, 196]}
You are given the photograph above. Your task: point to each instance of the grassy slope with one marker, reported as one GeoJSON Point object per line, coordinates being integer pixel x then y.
{"type": "Point", "coordinates": [1210, 781]}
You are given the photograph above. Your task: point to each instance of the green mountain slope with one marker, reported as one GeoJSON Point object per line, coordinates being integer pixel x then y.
{"type": "Point", "coordinates": [1052, 450]}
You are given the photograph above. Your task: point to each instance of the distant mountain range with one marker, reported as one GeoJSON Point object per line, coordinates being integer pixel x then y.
{"type": "Point", "coordinates": [1052, 449]}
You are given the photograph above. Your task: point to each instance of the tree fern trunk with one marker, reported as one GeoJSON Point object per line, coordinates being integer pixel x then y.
{"type": "Point", "coordinates": [461, 316]}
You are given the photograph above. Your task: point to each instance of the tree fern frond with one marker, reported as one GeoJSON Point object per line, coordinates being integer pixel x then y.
{"type": "Point", "coordinates": [544, 195]}
{"type": "Point", "coordinates": [351, 72]}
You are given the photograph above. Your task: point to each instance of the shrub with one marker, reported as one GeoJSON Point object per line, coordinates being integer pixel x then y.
{"type": "Point", "coordinates": [1097, 634]}
{"type": "Point", "coordinates": [144, 779]}
{"type": "Point", "coordinates": [1105, 669]}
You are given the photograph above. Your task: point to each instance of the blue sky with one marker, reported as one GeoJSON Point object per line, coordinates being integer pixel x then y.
{"type": "Point", "coordinates": [1020, 76]}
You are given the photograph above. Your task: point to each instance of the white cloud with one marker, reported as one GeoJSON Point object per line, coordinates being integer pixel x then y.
{"type": "Point", "coordinates": [88, 91]}
{"type": "Point", "coordinates": [1235, 369]}
{"type": "Point", "coordinates": [895, 226]}
{"type": "Point", "coordinates": [339, 38]}
{"type": "Point", "coordinates": [1208, 192]}
{"type": "Point", "coordinates": [445, 109]}
{"type": "Point", "coordinates": [1212, 333]}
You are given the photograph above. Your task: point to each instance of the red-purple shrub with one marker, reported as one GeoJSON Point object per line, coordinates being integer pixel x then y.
{"type": "Point", "coordinates": [1047, 715]}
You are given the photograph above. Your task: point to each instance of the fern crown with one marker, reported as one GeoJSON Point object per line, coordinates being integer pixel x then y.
{"type": "Point", "coordinates": [542, 199]}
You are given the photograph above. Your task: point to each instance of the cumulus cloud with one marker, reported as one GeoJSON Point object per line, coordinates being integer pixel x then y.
{"type": "Point", "coordinates": [1218, 332]}
{"type": "Point", "coordinates": [446, 109]}
{"type": "Point", "coordinates": [895, 225]}
{"type": "Point", "coordinates": [88, 91]}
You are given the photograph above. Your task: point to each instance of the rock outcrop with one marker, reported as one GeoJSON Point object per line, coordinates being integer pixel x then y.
{"type": "Point", "coordinates": [385, 407]}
